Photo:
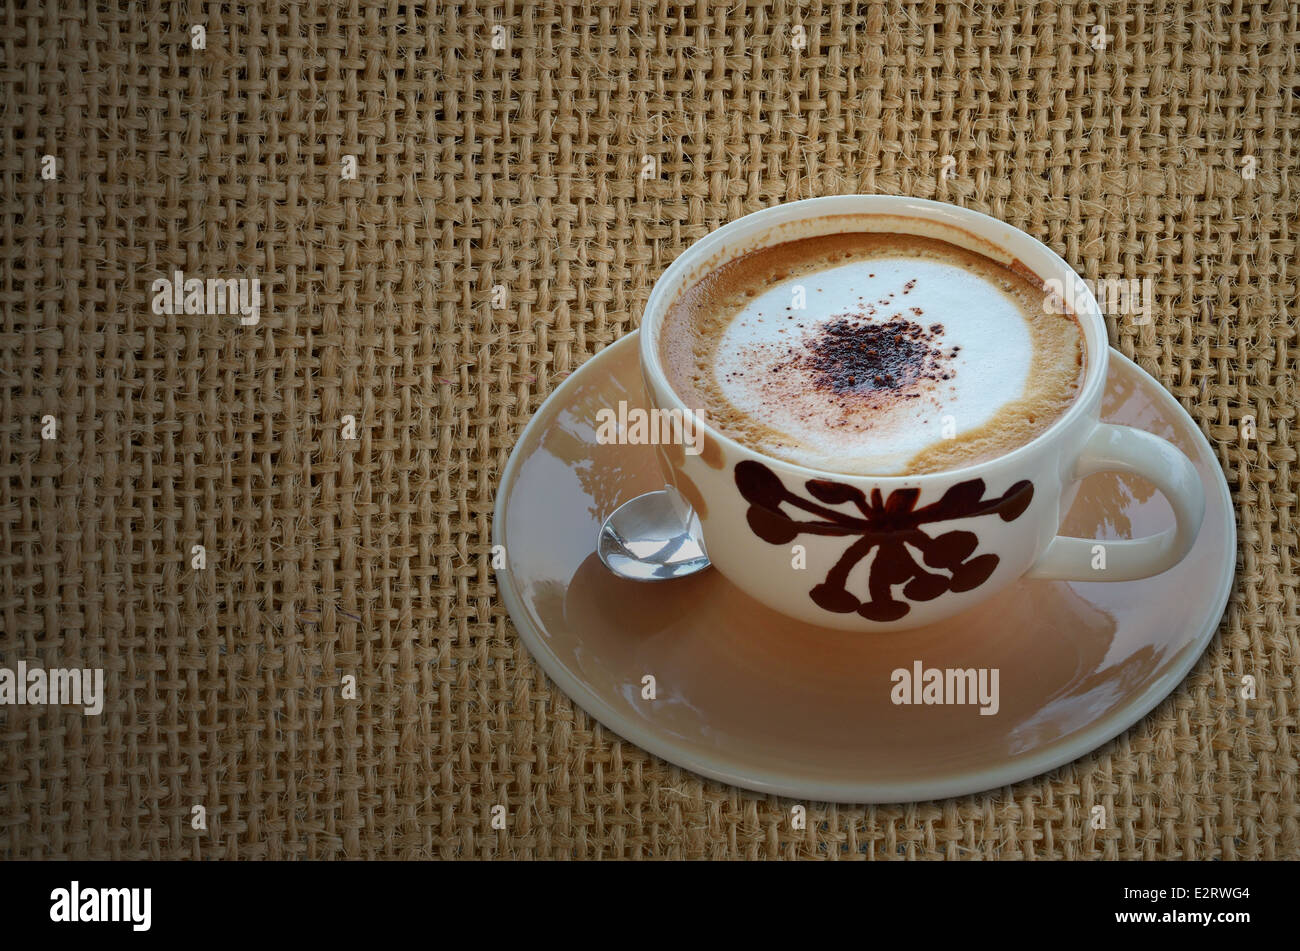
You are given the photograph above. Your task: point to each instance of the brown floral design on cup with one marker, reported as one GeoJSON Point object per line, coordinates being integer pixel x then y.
{"type": "Point", "coordinates": [890, 525]}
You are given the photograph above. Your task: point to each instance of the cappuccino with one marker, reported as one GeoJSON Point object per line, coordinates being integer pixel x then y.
{"type": "Point", "coordinates": [870, 353]}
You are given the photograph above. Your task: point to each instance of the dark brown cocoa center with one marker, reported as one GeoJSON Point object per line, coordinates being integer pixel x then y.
{"type": "Point", "coordinates": [850, 355]}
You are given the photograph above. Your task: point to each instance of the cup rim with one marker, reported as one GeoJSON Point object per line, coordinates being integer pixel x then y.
{"type": "Point", "coordinates": [1091, 321]}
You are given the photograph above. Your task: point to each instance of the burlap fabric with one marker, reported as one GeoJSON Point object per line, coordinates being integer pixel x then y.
{"type": "Point", "coordinates": [567, 153]}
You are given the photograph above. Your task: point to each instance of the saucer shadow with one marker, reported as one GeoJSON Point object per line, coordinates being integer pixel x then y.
{"type": "Point", "coordinates": [731, 674]}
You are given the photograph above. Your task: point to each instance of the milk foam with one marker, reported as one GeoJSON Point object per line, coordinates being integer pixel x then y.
{"type": "Point", "coordinates": [909, 354]}
{"type": "Point", "coordinates": [977, 332]}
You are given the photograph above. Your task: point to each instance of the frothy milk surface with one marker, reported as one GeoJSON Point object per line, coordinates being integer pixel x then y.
{"type": "Point", "coordinates": [872, 353]}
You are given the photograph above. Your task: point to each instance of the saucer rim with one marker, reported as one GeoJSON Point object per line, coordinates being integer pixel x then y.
{"type": "Point", "coordinates": [772, 782]}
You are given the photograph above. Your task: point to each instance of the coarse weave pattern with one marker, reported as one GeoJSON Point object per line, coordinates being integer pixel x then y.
{"type": "Point", "coordinates": [560, 155]}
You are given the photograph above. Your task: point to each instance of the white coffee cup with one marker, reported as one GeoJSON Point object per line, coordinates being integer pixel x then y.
{"type": "Point", "coordinates": [894, 552]}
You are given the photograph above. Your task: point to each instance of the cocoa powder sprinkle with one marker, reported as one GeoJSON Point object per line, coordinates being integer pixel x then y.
{"type": "Point", "coordinates": [850, 355]}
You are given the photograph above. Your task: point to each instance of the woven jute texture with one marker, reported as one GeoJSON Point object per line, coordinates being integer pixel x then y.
{"type": "Point", "coordinates": [566, 153]}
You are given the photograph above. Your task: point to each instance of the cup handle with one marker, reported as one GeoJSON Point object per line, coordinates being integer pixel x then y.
{"type": "Point", "coordinates": [1124, 449]}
